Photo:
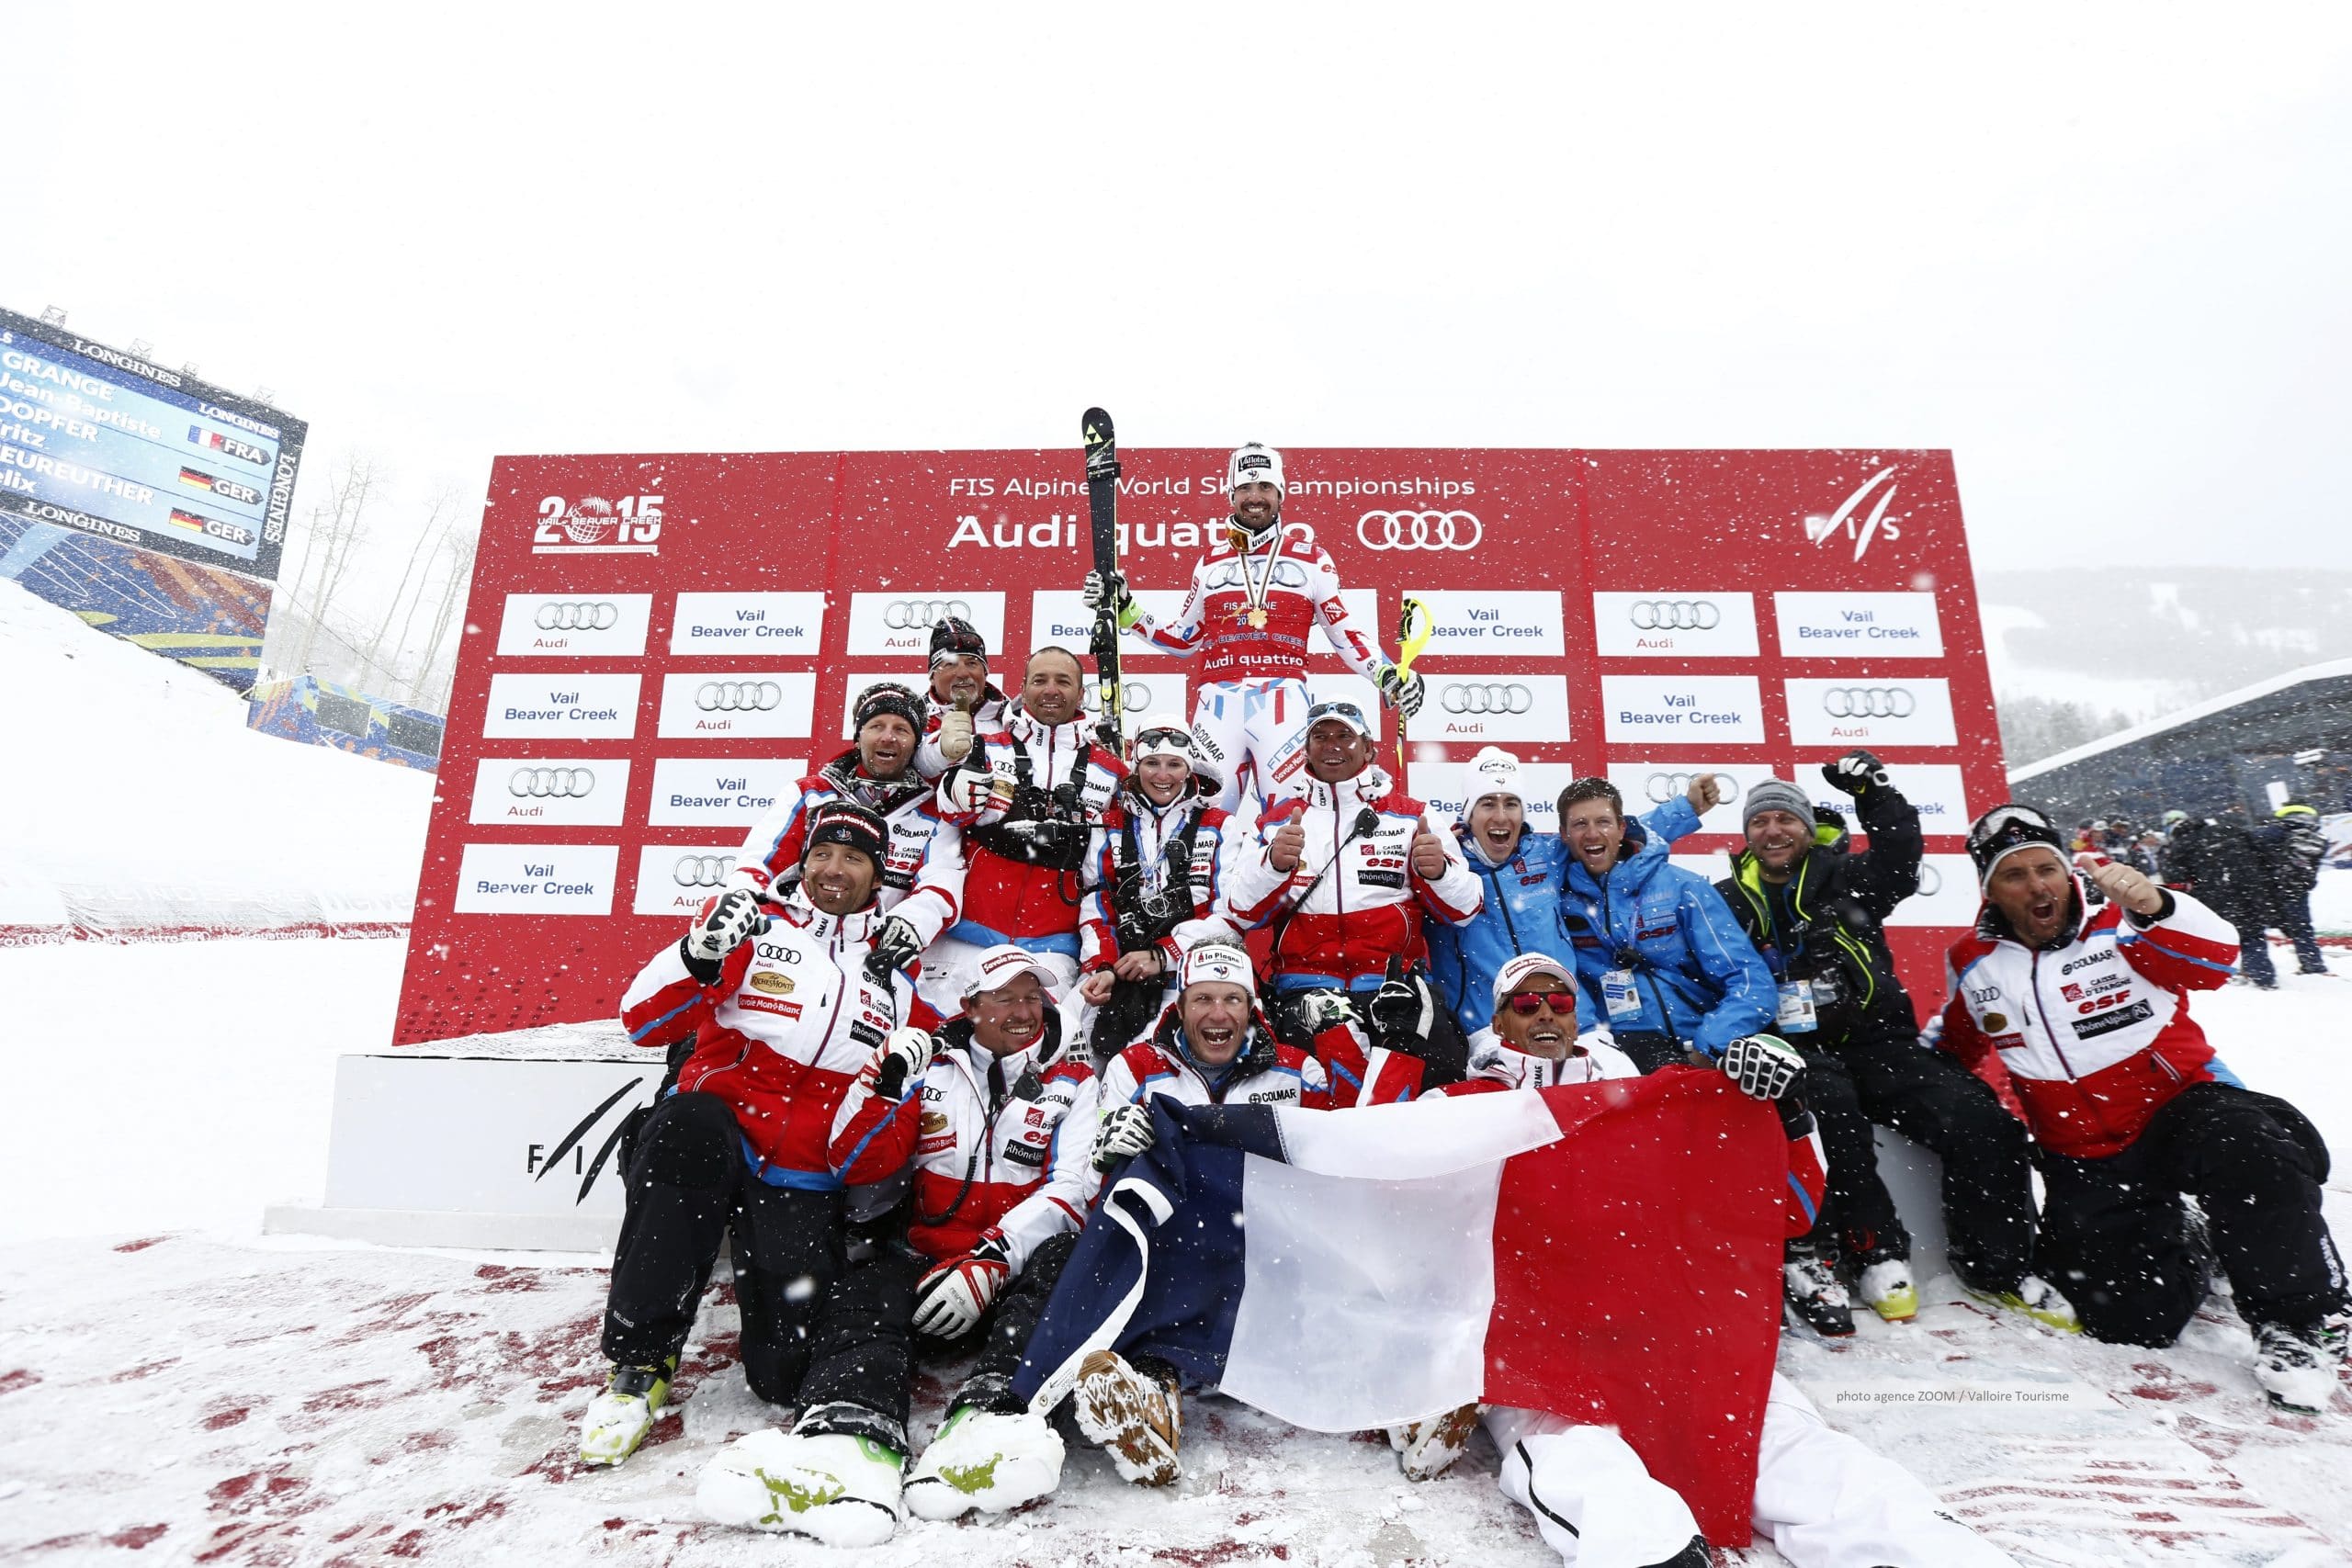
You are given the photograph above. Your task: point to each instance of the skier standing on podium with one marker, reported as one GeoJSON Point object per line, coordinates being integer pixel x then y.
{"type": "Point", "coordinates": [1255, 594]}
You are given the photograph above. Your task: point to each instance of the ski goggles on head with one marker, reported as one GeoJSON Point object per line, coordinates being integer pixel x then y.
{"type": "Point", "coordinates": [1528, 1003]}
{"type": "Point", "coordinates": [2005, 827]}
{"type": "Point", "coordinates": [1164, 743]}
{"type": "Point", "coordinates": [1342, 712]}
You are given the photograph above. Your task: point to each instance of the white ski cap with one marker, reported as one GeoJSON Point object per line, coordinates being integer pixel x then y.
{"type": "Point", "coordinates": [999, 966]}
{"type": "Point", "coordinates": [1213, 960]}
{"type": "Point", "coordinates": [1526, 967]}
{"type": "Point", "coordinates": [1492, 772]}
{"type": "Point", "coordinates": [1164, 735]}
{"type": "Point", "coordinates": [1254, 462]}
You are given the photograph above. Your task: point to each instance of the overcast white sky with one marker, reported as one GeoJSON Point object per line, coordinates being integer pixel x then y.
{"type": "Point", "coordinates": [2099, 252]}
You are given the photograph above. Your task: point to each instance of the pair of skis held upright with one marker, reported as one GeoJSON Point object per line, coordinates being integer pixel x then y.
{"type": "Point", "coordinates": [1101, 441]}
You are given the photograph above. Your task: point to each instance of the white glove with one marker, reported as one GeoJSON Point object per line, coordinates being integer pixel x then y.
{"type": "Point", "coordinates": [954, 734]}
{"type": "Point", "coordinates": [951, 1297]}
{"type": "Point", "coordinates": [1318, 1011]}
{"type": "Point", "coordinates": [1399, 690]}
{"type": "Point", "coordinates": [1106, 590]}
{"type": "Point", "coordinates": [1765, 1066]}
{"type": "Point", "coordinates": [1124, 1134]}
{"type": "Point", "coordinates": [734, 919]}
{"type": "Point", "coordinates": [968, 789]}
{"type": "Point", "coordinates": [900, 1060]}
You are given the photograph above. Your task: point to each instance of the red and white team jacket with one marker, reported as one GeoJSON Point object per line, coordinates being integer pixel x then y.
{"type": "Point", "coordinates": [1005, 899]}
{"type": "Point", "coordinates": [1301, 587]}
{"type": "Point", "coordinates": [787, 1036]}
{"type": "Point", "coordinates": [1349, 919]}
{"type": "Point", "coordinates": [1210, 869]}
{"type": "Point", "coordinates": [923, 878]}
{"type": "Point", "coordinates": [987, 720]}
{"type": "Point", "coordinates": [2088, 1041]}
{"type": "Point", "coordinates": [1339, 1073]}
{"type": "Point", "coordinates": [1026, 1171]}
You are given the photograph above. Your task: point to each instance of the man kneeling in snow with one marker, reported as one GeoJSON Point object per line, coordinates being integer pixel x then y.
{"type": "Point", "coordinates": [1822, 1498]}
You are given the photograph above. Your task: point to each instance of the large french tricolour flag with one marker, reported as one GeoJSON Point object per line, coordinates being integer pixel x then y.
{"type": "Point", "coordinates": [1608, 1252]}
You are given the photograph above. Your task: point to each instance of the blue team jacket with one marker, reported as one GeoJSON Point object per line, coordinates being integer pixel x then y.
{"type": "Point", "coordinates": [1522, 914]}
{"type": "Point", "coordinates": [1697, 974]}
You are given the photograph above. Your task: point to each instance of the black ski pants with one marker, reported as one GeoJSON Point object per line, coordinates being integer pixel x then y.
{"type": "Point", "coordinates": [826, 1306]}
{"type": "Point", "coordinates": [1987, 1178]}
{"type": "Point", "coordinates": [2116, 1239]}
{"type": "Point", "coordinates": [2292, 916]}
{"type": "Point", "coordinates": [1002, 1333]}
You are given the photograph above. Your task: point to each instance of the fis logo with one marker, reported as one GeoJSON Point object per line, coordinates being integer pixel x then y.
{"type": "Point", "coordinates": [1820, 529]}
{"type": "Point", "coordinates": [539, 1160]}
{"type": "Point", "coordinates": [595, 526]}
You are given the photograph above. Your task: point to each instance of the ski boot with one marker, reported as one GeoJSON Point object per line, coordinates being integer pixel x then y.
{"type": "Point", "coordinates": [985, 1460]}
{"type": "Point", "coordinates": [1814, 1298]}
{"type": "Point", "coordinates": [1884, 1284]}
{"type": "Point", "coordinates": [841, 1487]}
{"type": "Point", "coordinates": [2298, 1366]}
{"type": "Point", "coordinates": [618, 1418]}
{"type": "Point", "coordinates": [1429, 1447]}
{"type": "Point", "coordinates": [2034, 1296]}
{"type": "Point", "coordinates": [1137, 1417]}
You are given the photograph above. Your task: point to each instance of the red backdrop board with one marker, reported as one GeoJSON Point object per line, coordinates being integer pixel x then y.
{"type": "Point", "coordinates": [659, 645]}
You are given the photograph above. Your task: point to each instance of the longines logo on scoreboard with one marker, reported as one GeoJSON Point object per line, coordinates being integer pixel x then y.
{"type": "Point", "coordinates": [591, 526]}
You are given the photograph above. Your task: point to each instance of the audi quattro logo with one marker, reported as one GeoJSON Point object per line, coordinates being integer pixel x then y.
{"type": "Point", "coordinates": [1419, 531]}
{"type": "Point", "coordinates": [577, 616]}
{"type": "Point", "coordinates": [739, 696]}
{"type": "Point", "coordinates": [699, 870]}
{"type": "Point", "coordinates": [1663, 787]}
{"type": "Point", "coordinates": [1486, 696]}
{"type": "Point", "coordinates": [912, 614]}
{"type": "Point", "coordinates": [1869, 702]}
{"type": "Point", "coordinates": [1674, 614]}
{"type": "Point", "coordinates": [559, 783]}
{"type": "Point", "coordinates": [1134, 696]}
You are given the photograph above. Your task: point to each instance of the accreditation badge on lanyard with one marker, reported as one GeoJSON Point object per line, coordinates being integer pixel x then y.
{"type": "Point", "coordinates": [1798, 1015]}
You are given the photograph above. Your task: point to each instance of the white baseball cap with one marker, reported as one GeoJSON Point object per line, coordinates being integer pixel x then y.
{"type": "Point", "coordinates": [1254, 462]}
{"type": "Point", "coordinates": [1492, 772]}
{"type": "Point", "coordinates": [999, 966]}
{"type": "Point", "coordinates": [1526, 966]}
{"type": "Point", "coordinates": [1217, 960]}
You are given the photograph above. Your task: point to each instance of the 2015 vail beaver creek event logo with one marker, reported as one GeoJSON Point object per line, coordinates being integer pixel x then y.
{"type": "Point", "coordinates": [593, 525]}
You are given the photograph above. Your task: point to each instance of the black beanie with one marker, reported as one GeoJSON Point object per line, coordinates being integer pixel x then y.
{"type": "Point", "coordinates": [844, 822]}
{"type": "Point", "coordinates": [888, 697]}
{"type": "Point", "coordinates": [952, 637]}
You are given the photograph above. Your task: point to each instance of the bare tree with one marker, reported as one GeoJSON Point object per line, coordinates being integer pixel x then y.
{"type": "Point", "coordinates": [335, 530]}
{"type": "Point", "coordinates": [448, 622]}
{"type": "Point", "coordinates": [428, 536]}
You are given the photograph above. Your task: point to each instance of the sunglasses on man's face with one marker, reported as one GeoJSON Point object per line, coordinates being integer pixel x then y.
{"type": "Point", "coordinates": [1526, 1003]}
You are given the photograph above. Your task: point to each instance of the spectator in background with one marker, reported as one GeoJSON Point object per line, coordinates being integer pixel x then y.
{"type": "Point", "coordinates": [2217, 861]}
{"type": "Point", "coordinates": [2290, 848]}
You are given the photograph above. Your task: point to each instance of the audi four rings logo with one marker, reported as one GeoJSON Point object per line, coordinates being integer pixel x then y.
{"type": "Point", "coordinates": [907, 615]}
{"type": "Point", "coordinates": [699, 870]}
{"type": "Point", "coordinates": [1486, 696]}
{"type": "Point", "coordinates": [1664, 787]}
{"type": "Point", "coordinates": [1675, 615]}
{"type": "Point", "coordinates": [1134, 696]}
{"type": "Point", "coordinates": [1419, 531]}
{"type": "Point", "coordinates": [738, 696]}
{"type": "Point", "coordinates": [1869, 702]}
{"type": "Point", "coordinates": [567, 783]}
{"type": "Point", "coordinates": [576, 616]}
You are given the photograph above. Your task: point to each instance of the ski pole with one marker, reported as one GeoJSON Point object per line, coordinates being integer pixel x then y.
{"type": "Point", "coordinates": [1414, 625]}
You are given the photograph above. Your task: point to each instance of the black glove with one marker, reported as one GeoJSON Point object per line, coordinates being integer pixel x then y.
{"type": "Point", "coordinates": [1857, 773]}
{"type": "Point", "coordinates": [1403, 1011]}
{"type": "Point", "coordinates": [894, 946]}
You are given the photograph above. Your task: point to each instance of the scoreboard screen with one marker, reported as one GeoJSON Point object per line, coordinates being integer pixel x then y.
{"type": "Point", "coordinates": [93, 439]}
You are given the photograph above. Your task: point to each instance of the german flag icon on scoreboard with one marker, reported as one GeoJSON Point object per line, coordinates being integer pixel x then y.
{"type": "Point", "coordinates": [193, 477]}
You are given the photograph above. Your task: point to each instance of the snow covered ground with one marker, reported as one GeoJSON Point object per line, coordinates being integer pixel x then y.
{"type": "Point", "coordinates": [174, 1385]}
{"type": "Point", "coordinates": [157, 807]}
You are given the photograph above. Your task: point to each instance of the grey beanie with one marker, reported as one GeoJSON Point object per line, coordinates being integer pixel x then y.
{"type": "Point", "coordinates": [1776, 795]}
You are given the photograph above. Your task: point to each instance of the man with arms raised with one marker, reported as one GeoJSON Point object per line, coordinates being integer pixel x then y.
{"type": "Point", "coordinates": [1255, 594]}
{"type": "Point", "coordinates": [2079, 1019]}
